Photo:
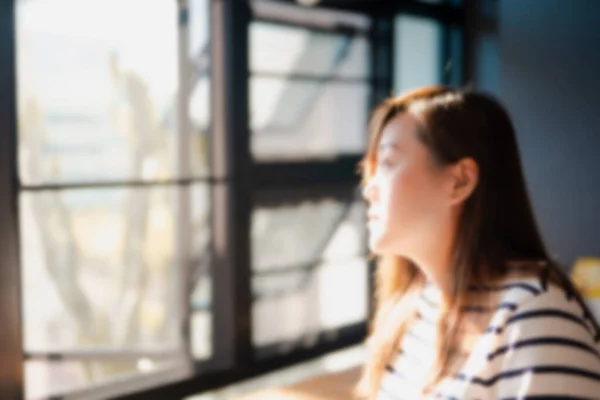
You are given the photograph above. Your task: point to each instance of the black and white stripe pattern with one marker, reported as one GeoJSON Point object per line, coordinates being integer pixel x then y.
{"type": "Point", "coordinates": [537, 344]}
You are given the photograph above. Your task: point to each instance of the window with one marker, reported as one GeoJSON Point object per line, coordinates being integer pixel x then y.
{"type": "Point", "coordinates": [418, 53]}
{"type": "Point", "coordinates": [114, 196]}
{"type": "Point", "coordinates": [307, 119]}
{"type": "Point", "coordinates": [302, 252]}
{"type": "Point", "coordinates": [428, 44]}
{"type": "Point", "coordinates": [310, 89]}
{"type": "Point", "coordinates": [186, 176]}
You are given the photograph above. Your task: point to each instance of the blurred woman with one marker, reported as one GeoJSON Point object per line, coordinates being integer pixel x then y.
{"type": "Point", "coordinates": [469, 305]}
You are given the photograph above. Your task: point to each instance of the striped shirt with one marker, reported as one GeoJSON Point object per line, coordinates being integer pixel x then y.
{"type": "Point", "coordinates": [525, 341]}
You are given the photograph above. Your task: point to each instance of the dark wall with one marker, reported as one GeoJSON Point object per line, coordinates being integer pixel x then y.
{"type": "Point", "coordinates": [549, 78]}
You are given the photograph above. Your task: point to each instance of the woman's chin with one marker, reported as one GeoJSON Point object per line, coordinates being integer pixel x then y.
{"type": "Point", "coordinates": [377, 245]}
{"type": "Point", "coordinates": [382, 245]}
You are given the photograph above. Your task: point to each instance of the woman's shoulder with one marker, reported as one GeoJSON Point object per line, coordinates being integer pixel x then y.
{"type": "Point", "coordinates": [518, 286]}
{"type": "Point", "coordinates": [530, 282]}
{"type": "Point", "coordinates": [538, 288]}
{"type": "Point", "coordinates": [543, 341]}
{"type": "Point", "coordinates": [517, 290]}
{"type": "Point", "coordinates": [536, 299]}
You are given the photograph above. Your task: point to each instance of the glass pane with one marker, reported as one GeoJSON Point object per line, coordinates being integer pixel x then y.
{"type": "Point", "coordinates": [101, 276]}
{"type": "Point", "coordinates": [200, 279]}
{"type": "Point", "coordinates": [199, 112]}
{"type": "Point", "coordinates": [97, 99]}
{"type": "Point", "coordinates": [199, 102]}
{"type": "Point", "coordinates": [44, 379]}
{"type": "Point", "coordinates": [281, 49]}
{"type": "Point", "coordinates": [299, 119]}
{"type": "Point", "coordinates": [305, 303]}
{"type": "Point", "coordinates": [326, 229]}
{"type": "Point", "coordinates": [300, 254]}
{"type": "Point", "coordinates": [100, 266]}
{"type": "Point", "coordinates": [198, 27]}
{"type": "Point", "coordinates": [201, 337]}
{"type": "Point", "coordinates": [417, 53]}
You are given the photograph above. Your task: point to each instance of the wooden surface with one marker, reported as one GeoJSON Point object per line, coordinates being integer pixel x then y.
{"type": "Point", "coordinates": [338, 386]}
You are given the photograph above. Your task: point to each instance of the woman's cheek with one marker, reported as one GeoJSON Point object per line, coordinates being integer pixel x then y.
{"type": "Point", "coordinates": [406, 198]}
{"type": "Point", "coordinates": [394, 199]}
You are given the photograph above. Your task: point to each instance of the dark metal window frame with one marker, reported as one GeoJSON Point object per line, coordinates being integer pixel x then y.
{"type": "Point", "coordinates": [276, 182]}
{"type": "Point", "coordinates": [238, 183]}
{"type": "Point", "coordinates": [11, 353]}
{"type": "Point", "coordinates": [128, 383]}
{"type": "Point", "coordinates": [262, 14]}
{"type": "Point", "coordinates": [281, 182]}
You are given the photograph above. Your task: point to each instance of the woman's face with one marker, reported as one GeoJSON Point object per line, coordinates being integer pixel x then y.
{"type": "Point", "coordinates": [408, 193]}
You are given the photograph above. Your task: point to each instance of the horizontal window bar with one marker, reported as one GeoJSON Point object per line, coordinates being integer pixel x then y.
{"type": "Point", "coordinates": [356, 6]}
{"type": "Point", "coordinates": [267, 359]}
{"type": "Point", "coordinates": [127, 383]}
{"type": "Point", "coordinates": [442, 12]}
{"type": "Point", "coordinates": [121, 184]}
{"type": "Point", "coordinates": [338, 29]}
{"type": "Point", "coordinates": [100, 354]}
{"type": "Point", "coordinates": [316, 78]}
{"type": "Point", "coordinates": [283, 175]}
{"type": "Point", "coordinates": [292, 14]}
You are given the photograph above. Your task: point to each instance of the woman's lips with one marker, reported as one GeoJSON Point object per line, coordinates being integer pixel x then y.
{"type": "Point", "coordinates": [372, 216]}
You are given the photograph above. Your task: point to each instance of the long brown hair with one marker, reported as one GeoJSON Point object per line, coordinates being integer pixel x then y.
{"type": "Point", "coordinates": [496, 226]}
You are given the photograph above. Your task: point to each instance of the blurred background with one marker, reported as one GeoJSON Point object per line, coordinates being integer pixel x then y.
{"type": "Point", "coordinates": [180, 209]}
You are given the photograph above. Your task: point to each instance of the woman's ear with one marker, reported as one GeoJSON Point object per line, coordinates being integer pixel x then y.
{"type": "Point", "coordinates": [465, 177]}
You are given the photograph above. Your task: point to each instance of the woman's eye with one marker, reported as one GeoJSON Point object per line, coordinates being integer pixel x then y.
{"type": "Point", "coordinates": [385, 163]}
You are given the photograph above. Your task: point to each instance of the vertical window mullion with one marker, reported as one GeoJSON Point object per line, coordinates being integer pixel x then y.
{"type": "Point", "coordinates": [230, 165]}
{"type": "Point", "coordinates": [382, 58]}
{"type": "Point", "coordinates": [11, 347]}
{"type": "Point", "coordinates": [183, 226]}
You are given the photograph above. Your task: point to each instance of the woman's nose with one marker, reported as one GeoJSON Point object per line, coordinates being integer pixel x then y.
{"type": "Point", "coordinates": [369, 191]}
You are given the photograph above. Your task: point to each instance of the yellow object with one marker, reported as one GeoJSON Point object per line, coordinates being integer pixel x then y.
{"type": "Point", "coordinates": [586, 276]}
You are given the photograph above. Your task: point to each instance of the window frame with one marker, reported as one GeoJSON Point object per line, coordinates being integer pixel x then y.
{"type": "Point", "coordinates": [129, 383]}
{"type": "Point", "coordinates": [11, 373]}
{"type": "Point", "coordinates": [265, 13]}
{"type": "Point", "coordinates": [238, 184]}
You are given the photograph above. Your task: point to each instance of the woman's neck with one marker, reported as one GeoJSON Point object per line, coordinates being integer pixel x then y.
{"type": "Point", "coordinates": [436, 261]}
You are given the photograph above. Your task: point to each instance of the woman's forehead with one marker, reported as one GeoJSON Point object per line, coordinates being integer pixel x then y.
{"type": "Point", "coordinates": [399, 130]}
